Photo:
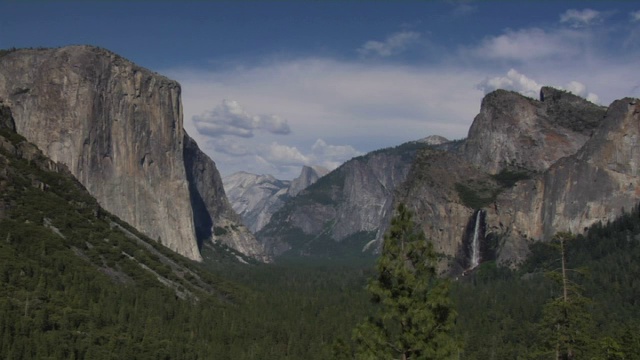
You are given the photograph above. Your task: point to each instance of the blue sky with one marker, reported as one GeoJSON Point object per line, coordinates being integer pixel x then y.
{"type": "Point", "coordinates": [270, 86]}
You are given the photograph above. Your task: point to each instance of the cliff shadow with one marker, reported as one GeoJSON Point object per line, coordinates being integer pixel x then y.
{"type": "Point", "coordinates": [202, 221]}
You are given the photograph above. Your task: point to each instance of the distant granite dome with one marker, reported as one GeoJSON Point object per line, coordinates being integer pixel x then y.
{"type": "Point", "coordinates": [257, 197]}
{"type": "Point", "coordinates": [434, 140]}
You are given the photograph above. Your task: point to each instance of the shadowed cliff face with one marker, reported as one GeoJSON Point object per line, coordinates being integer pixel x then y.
{"type": "Point", "coordinates": [117, 127]}
{"type": "Point", "coordinates": [213, 216]}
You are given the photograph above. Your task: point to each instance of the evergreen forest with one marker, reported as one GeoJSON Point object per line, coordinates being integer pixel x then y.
{"type": "Point", "coordinates": [77, 283]}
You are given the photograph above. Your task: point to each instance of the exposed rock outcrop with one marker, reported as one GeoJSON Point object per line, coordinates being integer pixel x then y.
{"type": "Point", "coordinates": [118, 128]}
{"type": "Point", "coordinates": [430, 192]}
{"type": "Point", "coordinates": [593, 185]}
{"type": "Point", "coordinates": [515, 132]}
{"type": "Point", "coordinates": [535, 167]}
{"type": "Point", "coordinates": [308, 176]}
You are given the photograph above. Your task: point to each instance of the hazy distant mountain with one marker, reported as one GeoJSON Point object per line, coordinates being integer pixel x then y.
{"type": "Point", "coordinates": [257, 197]}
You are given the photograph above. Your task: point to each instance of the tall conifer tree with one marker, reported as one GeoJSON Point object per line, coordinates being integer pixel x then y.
{"type": "Point", "coordinates": [415, 316]}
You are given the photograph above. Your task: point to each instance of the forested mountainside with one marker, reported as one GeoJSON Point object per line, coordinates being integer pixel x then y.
{"type": "Point", "coordinates": [118, 128]}
{"type": "Point", "coordinates": [76, 282]}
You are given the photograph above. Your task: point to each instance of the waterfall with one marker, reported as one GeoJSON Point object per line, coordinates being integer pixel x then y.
{"type": "Point", "coordinates": [475, 243]}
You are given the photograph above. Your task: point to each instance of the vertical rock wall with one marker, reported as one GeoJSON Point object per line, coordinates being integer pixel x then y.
{"type": "Point", "coordinates": [118, 128]}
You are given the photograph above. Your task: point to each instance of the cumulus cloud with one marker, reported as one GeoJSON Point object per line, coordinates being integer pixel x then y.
{"type": "Point", "coordinates": [635, 16]}
{"type": "Point", "coordinates": [529, 44]}
{"type": "Point", "coordinates": [518, 82]}
{"type": "Point", "coordinates": [230, 118]}
{"type": "Point", "coordinates": [581, 90]}
{"type": "Point", "coordinates": [513, 81]}
{"type": "Point", "coordinates": [331, 156]}
{"type": "Point", "coordinates": [581, 18]}
{"type": "Point", "coordinates": [283, 155]}
{"type": "Point", "coordinates": [392, 45]}
{"type": "Point", "coordinates": [228, 146]}
{"type": "Point", "coordinates": [321, 153]}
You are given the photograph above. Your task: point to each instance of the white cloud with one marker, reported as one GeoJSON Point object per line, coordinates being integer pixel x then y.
{"type": "Point", "coordinates": [228, 146]}
{"type": "Point", "coordinates": [230, 118]}
{"type": "Point", "coordinates": [331, 156]}
{"type": "Point", "coordinates": [580, 18]}
{"type": "Point", "coordinates": [530, 44]}
{"type": "Point", "coordinates": [635, 16]}
{"type": "Point", "coordinates": [580, 89]}
{"type": "Point", "coordinates": [283, 155]}
{"type": "Point", "coordinates": [392, 45]}
{"type": "Point", "coordinates": [273, 124]}
{"type": "Point", "coordinates": [524, 85]}
{"type": "Point", "coordinates": [347, 107]}
{"type": "Point", "coordinates": [513, 81]}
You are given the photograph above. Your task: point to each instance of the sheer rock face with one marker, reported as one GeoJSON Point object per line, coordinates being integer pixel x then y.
{"type": "Point", "coordinates": [354, 198]}
{"type": "Point", "coordinates": [595, 184]}
{"type": "Point", "coordinates": [583, 161]}
{"type": "Point", "coordinates": [430, 192]}
{"type": "Point", "coordinates": [117, 127]}
{"type": "Point", "coordinates": [515, 132]}
{"type": "Point", "coordinates": [211, 207]}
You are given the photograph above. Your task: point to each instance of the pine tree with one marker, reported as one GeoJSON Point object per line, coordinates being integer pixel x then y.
{"type": "Point", "coordinates": [566, 325]}
{"type": "Point", "coordinates": [415, 316]}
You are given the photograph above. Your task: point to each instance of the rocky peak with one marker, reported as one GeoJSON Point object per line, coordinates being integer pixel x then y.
{"type": "Point", "coordinates": [595, 184]}
{"type": "Point", "coordinates": [434, 140]}
{"type": "Point", "coordinates": [514, 132]}
{"type": "Point", "coordinates": [257, 197]}
{"type": "Point", "coordinates": [308, 175]}
{"type": "Point", "coordinates": [571, 111]}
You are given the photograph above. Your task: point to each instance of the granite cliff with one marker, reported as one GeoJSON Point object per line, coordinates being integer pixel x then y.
{"type": "Point", "coordinates": [343, 210]}
{"type": "Point", "coordinates": [528, 169]}
{"type": "Point", "coordinates": [118, 129]}
{"type": "Point", "coordinates": [596, 184]}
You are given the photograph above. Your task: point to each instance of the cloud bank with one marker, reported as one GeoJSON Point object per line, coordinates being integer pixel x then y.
{"type": "Point", "coordinates": [337, 108]}
{"type": "Point", "coordinates": [230, 118]}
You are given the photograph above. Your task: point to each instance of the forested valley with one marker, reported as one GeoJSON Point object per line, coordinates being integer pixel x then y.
{"type": "Point", "coordinates": [77, 283]}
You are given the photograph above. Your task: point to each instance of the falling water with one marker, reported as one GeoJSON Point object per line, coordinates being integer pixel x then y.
{"type": "Point", "coordinates": [475, 244]}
